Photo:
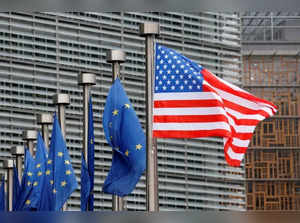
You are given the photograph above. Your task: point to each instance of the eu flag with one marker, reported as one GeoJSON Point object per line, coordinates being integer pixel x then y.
{"type": "Point", "coordinates": [60, 180]}
{"type": "Point", "coordinates": [28, 180]}
{"type": "Point", "coordinates": [85, 185]}
{"type": "Point", "coordinates": [124, 134]}
{"type": "Point", "coordinates": [91, 140]}
{"type": "Point", "coordinates": [16, 189]}
{"type": "Point", "coordinates": [2, 196]}
{"type": "Point", "coordinates": [33, 201]}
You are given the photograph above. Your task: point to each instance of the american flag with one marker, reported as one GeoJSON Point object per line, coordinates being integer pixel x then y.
{"type": "Point", "coordinates": [191, 102]}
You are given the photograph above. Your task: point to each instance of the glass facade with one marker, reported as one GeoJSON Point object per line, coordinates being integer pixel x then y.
{"type": "Point", "coordinates": [41, 54]}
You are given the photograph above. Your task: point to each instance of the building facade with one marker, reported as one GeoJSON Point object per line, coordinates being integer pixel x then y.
{"type": "Point", "coordinates": [271, 50]}
{"type": "Point", "coordinates": [41, 54]}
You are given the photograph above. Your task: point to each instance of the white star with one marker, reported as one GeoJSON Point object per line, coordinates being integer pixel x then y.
{"type": "Point", "coordinates": [190, 76]}
{"type": "Point", "coordinates": [158, 57]}
{"type": "Point", "coordinates": [178, 61]}
{"type": "Point", "coordinates": [195, 72]}
{"type": "Point", "coordinates": [172, 77]}
{"type": "Point", "coordinates": [182, 66]}
{"type": "Point", "coordinates": [166, 56]}
{"type": "Point", "coordinates": [171, 53]}
{"type": "Point", "coordinates": [160, 82]}
{"type": "Point", "coordinates": [181, 76]}
{"type": "Point", "coordinates": [173, 87]}
{"type": "Point", "coordinates": [177, 71]}
{"type": "Point", "coordinates": [161, 61]}
{"type": "Point", "coordinates": [190, 86]}
{"type": "Point", "coordinates": [164, 87]}
{"type": "Point", "coordinates": [159, 47]}
{"type": "Point", "coordinates": [157, 67]}
{"type": "Point", "coordinates": [198, 86]}
{"type": "Point", "coordinates": [177, 82]}
{"type": "Point", "coordinates": [175, 57]}
{"type": "Point", "coordinates": [173, 66]}
{"type": "Point", "coordinates": [164, 77]}
{"type": "Point", "coordinates": [156, 88]}
{"type": "Point", "coordinates": [168, 71]}
{"type": "Point", "coordinates": [169, 61]}
{"type": "Point", "coordinates": [165, 66]}
{"type": "Point", "coordinates": [185, 82]}
{"type": "Point", "coordinates": [194, 82]}
{"type": "Point", "coordinates": [162, 51]}
{"type": "Point", "coordinates": [185, 71]}
{"type": "Point", "coordinates": [192, 69]}
{"type": "Point", "coordinates": [156, 77]}
{"type": "Point", "coordinates": [181, 87]}
{"type": "Point", "coordinates": [169, 82]}
{"type": "Point", "coordinates": [160, 72]}
{"type": "Point", "coordinates": [199, 77]}
{"type": "Point", "coordinates": [187, 64]}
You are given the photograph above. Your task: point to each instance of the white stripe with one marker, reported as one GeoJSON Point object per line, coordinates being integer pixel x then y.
{"type": "Point", "coordinates": [239, 115]}
{"type": "Point", "coordinates": [186, 96]}
{"type": "Point", "coordinates": [240, 143]}
{"type": "Point", "coordinates": [189, 111]}
{"type": "Point", "coordinates": [191, 126]}
{"type": "Point", "coordinates": [243, 102]}
{"type": "Point", "coordinates": [241, 128]}
{"type": "Point", "coordinates": [234, 155]}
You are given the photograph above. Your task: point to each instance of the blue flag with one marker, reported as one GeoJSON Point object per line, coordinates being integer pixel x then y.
{"type": "Point", "coordinates": [60, 180]}
{"type": "Point", "coordinates": [28, 180]}
{"type": "Point", "coordinates": [2, 196]}
{"type": "Point", "coordinates": [33, 201]}
{"type": "Point", "coordinates": [124, 134]}
{"type": "Point", "coordinates": [16, 189]}
{"type": "Point", "coordinates": [91, 146]}
{"type": "Point", "coordinates": [85, 185]}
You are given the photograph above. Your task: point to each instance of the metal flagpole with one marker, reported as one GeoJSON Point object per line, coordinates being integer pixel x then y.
{"type": "Point", "coordinates": [150, 30]}
{"type": "Point", "coordinates": [18, 151]}
{"type": "Point", "coordinates": [86, 80]}
{"type": "Point", "coordinates": [30, 136]}
{"type": "Point", "coordinates": [116, 57]}
{"type": "Point", "coordinates": [9, 164]}
{"type": "Point", "coordinates": [62, 100]}
{"type": "Point", "coordinates": [44, 120]}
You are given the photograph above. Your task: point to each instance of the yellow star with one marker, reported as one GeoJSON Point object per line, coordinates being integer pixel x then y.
{"type": "Point", "coordinates": [138, 146]}
{"type": "Point", "coordinates": [28, 202]}
{"type": "Point", "coordinates": [38, 165]}
{"type": "Point", "coordinates": [127, 105]}
{"type": "Point", "coordinates": [49, 161]}
{"type": "Point", "coordinates": [28, 183]}
{"type": "Point", "coordinates": [54, 191]}
{"type": "Point", "coordinates": [48, 172]}
{"type": "Point", "coordinates": [115, 112]}
{"type": "Point", "coordinates": [68, 172]}
{"type": "Point", "coordinates": [51, 182]}
{"type": "Point", "coordinates": [92, 141]}
{"type": "Point", "coordinates": [60, 154]}
{"type": "Point", "coordinates": [40, 173]}
{"type": "Point", "coordinates": [67, 162]}
{"type": "Point", "coordinates": [110, 137]}
{"type": "Point", "coordinates": [63, 183]}
{"type": "Point", "coordinates": [35, 183]}
{"type": "Point", "coordinates": [127, 153]}
{"type": "Point", "coordinates": [29, 174]}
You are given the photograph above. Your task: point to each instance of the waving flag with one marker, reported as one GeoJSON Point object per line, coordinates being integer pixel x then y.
{"type": "Point", "coordinates": [2, 195]}
{"type": "Point", "coordinates": [124, 134]}
{"type": "Point", "coordinates": [28, 181]}
{"type": "Point", "coordinates": [85, 185]}
{"type": "Point", "coordinates": [191, 102]}
{"type": "Point", "coordinates": [60, 180]}
{"type": "Point", "coordinates": [33, 201]}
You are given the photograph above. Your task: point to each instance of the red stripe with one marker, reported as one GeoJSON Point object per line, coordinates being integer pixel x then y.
{"type": "Point", "coordinates": [243, 109]}
{"type": "Point", "coordinates": [238, 149]}
{"type": "Point", "coordinates": [187, 103]}
{"type": "Point", "coordinates": [189, 118]}
{"type": "Point", "coordinates": [191, 134]}
{"type": "Point", "coordinates": [230, 161]}
{"type": "Point", "coordinates": [250, 122]}
{"type": "Point", "coordinates": [214, 81]}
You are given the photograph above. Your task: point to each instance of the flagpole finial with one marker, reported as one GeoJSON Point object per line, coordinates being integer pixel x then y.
{"type": "Point", "coordinates": [18, 152]}
{"type": "Point", "coordinates": [86, 79]}
{"type": "Point", "coordinates": [44, 118]}
{"type": "Point", "coordinates": [113, 56]}
{"type": "Point", "coordinates": [149, 28]}
{"type": "Point", "coordinates": [8, 164]}
{"type": "Point", "coordinates": [63, 99]}
{"type": "Point", "coordinates": [29, 134]}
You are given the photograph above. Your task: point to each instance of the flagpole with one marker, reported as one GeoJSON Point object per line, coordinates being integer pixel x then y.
{"type": "Point", "coordinates": [9, 164]}
{"type": "Point", "coordinates": [116, 57]}
{"type": "Point", "coordinates": [18, 151]}
{"type": "Point", "coordinates": [62, 100]}
{"type": "Point", "coordinates": [86, 80]}
{"type": "Point", "coordinates": [30, 136]}
{"type": "Point", "coordinates": [150, 30]}
{"type": "Point", "coordinates": [45, 120]}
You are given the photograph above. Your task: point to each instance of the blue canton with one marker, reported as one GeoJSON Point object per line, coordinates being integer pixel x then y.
{"type": "Point", "coordinates": [175, 72]}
